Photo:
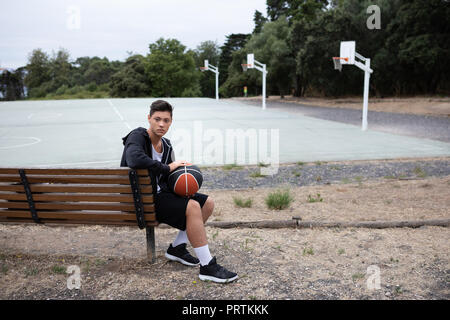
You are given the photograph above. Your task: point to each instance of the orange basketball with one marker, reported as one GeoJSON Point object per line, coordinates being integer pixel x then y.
{"type": "Point", "coordinates": [185, 180]}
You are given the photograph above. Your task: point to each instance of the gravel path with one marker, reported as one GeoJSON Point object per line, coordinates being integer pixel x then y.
{"type": "Point", "coordinates": [430, 127]}
{"type": "Point", "coordinates": [317, 173]}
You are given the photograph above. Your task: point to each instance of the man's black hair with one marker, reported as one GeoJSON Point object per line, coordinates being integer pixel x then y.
{"type": "Point", "coordinates": [160, 105]}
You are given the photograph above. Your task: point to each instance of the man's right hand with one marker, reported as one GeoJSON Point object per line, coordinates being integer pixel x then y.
{"type": "Point", "coordinates": [176, 164]}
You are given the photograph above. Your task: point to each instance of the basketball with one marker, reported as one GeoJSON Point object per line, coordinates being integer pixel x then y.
{"type": "Point", "coordinates": [185, 180]}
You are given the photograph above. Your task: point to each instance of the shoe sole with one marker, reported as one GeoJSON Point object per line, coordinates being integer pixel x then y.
{"type": "Point", "coordinates": [174, 258]}
{"type": "Point", "coordinates": [219, 280]}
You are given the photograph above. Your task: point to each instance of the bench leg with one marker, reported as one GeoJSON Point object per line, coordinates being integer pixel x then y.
{"type": "Point", "coordinates": [151, 254]}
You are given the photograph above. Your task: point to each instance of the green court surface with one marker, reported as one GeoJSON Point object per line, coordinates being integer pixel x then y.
{"type": "Point", "coordinates": [87, 133]}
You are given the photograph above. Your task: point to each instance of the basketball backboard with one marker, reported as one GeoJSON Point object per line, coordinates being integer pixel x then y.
{"type": "Point", "coordinates": [348, 51]}
{"type": "Point", "coordinates": [250, 60]}
{"type": "Point", "coordinates": [206, 65]}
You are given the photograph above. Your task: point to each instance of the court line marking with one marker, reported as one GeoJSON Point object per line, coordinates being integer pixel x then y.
{"type": "Point", "coordinates": [36, 140]}
{"type": "Point", "coordinates": [119, 114]}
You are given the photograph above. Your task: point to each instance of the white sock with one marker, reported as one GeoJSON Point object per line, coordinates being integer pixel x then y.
{"type": "Point", "coordinates": [203, 254]}
{"type": "Point", "coordinates": [181, 238]}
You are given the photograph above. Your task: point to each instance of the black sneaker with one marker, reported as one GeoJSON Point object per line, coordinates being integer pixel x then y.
{"type": "Point", "coordinates": [215, 272]}
{"type": "Point", "coordinates": [180, 254]}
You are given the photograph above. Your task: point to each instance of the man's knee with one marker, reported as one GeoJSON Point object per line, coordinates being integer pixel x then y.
{"type": "Point", "coordinates": [193, 208]}
{"type": "Point", "coordinates": [209, 203]}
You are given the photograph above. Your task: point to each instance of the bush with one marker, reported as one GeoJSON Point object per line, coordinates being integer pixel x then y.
{"type": "Point", "coordinates": [61, 90]}
{"type": "Point", "coordinates": [279, 200]}
{"type": "Point", "coordinates": [242, 203]}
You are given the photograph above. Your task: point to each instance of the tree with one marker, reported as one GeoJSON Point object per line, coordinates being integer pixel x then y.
{"type": "Point", "coordinates": [295, 9]}
{"type": "Point", "coordinates": [418, 44]}
{"type": "Point", "coordinates": [233, 43]}
{"type": "Point", "coordinates": [38, 71]}
{"type": "Point", "coordinates": [259, 21]}
{"type": "Point", "coordinates": [130, 80]}
{"type": "Point", "coordinates": [11, 84]}
{"type": "Point", "coordinates": [171, 70]}
{"type": "Point", "coordinates": [271, 47]}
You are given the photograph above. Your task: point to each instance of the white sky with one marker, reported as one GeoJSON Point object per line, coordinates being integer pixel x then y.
{"type": "Point", "coordinates": [112, 27]}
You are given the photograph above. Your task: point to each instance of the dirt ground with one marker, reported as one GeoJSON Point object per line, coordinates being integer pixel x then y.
{"type": "Point", "coordinates": [289, 263]}
{"type": "Point", "coordinates": [415, 105]}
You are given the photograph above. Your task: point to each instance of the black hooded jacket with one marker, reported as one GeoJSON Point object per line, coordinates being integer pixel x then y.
{"type": "Point", "coordinates": [137, 154]}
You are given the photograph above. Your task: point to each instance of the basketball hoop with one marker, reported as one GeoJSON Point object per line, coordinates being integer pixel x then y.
{"type": "Point", "coordinates": [202, 69]}
{"type": "Point", "coordinates": [245, 66]}
{"type": "Point", "coordinates": [337, 62]}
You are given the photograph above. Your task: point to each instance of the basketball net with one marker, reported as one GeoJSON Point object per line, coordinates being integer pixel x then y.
{"type": "Point", "coordinates": [245, 66]}
{"type": "Point", "coordinates": [337, 63]}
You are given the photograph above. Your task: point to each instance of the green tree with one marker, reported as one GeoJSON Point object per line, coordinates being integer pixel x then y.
{"type": "Point", "coordinates": [38, 72]}
{"type": "Point", "coordinates": [60, 70]}
{"type": "Point", "coordinates": [417, 48]}
{"type": "Point", "coordinates": [271, 47]}
{"type": "Point", "coordinates": [171, 70]}
{"type": "Point", "coordinates": [11, 84]}
{"type": "Point", "coordinates": [295, 9]}
{"type": "Point", "coordinates": [233, 43]}
{"type": "Point", "coordinates": [259, 20]}
{"type": "Point", "coordinates": [130, 80]}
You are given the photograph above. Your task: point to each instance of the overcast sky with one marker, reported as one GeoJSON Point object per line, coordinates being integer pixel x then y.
{"type": "Point", "coordinates": [112, 27]}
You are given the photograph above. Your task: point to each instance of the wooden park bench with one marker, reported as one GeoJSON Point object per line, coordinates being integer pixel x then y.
{"type": "Point", "coordinates": [118, 197]}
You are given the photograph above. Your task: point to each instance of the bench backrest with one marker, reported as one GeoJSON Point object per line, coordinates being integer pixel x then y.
{"type": "Point", "coordinates": [76, 196]}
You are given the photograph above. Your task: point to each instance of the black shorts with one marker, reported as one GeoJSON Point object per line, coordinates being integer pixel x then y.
{"type": "Point", "coordinates": [171, 208]}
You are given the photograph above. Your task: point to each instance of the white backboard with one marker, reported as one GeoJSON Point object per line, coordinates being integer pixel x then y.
{"type": "Point", "coordinates": [251, 60]}
{"type": "Point", "coordinates": [348, 51]}
{"type": "Point", "coordinates": [206, 64]}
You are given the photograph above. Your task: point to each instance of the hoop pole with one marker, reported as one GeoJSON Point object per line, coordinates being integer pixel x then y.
{"type": "Point", "coordinates": [216, 71]}
{"type": "Point", "coordinates": [264, 88]}
{"type": "Point", "coordinates": [366, 94]}
{"type": "Point", "coordinates": [217, 85]}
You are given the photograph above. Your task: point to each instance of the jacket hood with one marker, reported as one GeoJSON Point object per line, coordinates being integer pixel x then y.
{"type": "Point", "coordinates": [141, 130]}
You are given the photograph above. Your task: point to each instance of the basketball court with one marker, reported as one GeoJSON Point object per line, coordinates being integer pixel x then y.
{"type": "Point", "coordinates": [88, 133]}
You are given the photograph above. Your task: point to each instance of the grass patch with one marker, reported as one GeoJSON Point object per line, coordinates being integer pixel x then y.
{"type": "Point", "coordinates": [279, 200]}
{"type": "Point", "coordinates": [231, 166]}
{"type": "Point", "coordinates": [418, 171]}
{"type": "Point", "coordinates": [312, 199]}
{"type": "Point", "coordinates": [308, 251]}
{"type": "Point", "coordinates": [358, 276]}
{"type": "Point", "coordinates": [256, 174]}
{"type": "Point", "coordinates": [58, 269]}
{"type": "Point", "coordinates": [240, 202]}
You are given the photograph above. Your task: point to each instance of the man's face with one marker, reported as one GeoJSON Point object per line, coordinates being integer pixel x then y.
{"type": "Point", "coordinates": [160, 122]}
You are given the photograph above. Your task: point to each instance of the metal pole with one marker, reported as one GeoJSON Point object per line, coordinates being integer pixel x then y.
{"type": "Point", "coordinates": [217, 85]}
{"type": "Point", "coordinates": [151, 252]}
{"type": "Point", "coordinates": [264, 88]}
{"type": "Point", "coordinates": [366, 94]}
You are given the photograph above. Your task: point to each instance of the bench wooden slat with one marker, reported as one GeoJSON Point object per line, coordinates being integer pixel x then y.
{"type": "Point", "coordinates": [96, 172]}
{"type": "Point", "coordinates": [68, 179]}
{"type": "Point", "coordinates": [76, 206]}
{"type": "Point", "coordinates": [74, 188]}
{"type": "Point", "coordinates": [79, 215]}
{"type": "Point", "coordinates": [78, 222]}
{"type": "Point", "coordinates": [76, 197]}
